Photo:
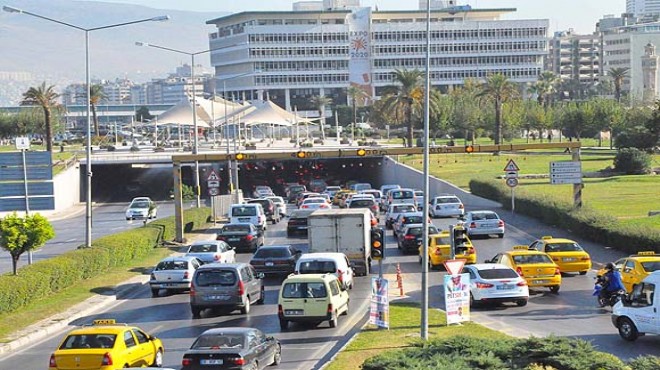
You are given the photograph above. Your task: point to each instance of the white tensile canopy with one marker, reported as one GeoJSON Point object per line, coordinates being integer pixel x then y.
{"type": "Point", "coordinates": [267, 112]}
{"type": "Point", "coordinates": [181, 114]}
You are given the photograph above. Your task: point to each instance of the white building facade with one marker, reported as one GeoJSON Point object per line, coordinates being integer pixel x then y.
{"type": "Point", "coordinates": [289, 57]}
{"type": "Point", "coordinates": [643, 8]}
{"type": "Point", "coordinates": [575, 57]}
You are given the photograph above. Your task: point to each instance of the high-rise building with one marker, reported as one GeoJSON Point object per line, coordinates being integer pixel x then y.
{"type": "Point", "coordinates": [291, 56]}
{"type": "Point", "coordinates": [575, 57]}
{"type": "Point", "coordinates": [643, 8]}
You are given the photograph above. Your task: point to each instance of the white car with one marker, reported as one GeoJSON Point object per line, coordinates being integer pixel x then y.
{"type": "Point", "coordinates": [210, 251]}
{"type": "Point", "coordinates": [419, 199]}
{"type": "Point", "coordinates": [173, 274]}
{"type": "Point", "coordinates": [315, 203]}
{"type": "Point", "coordinates": [327, 263]}
{"type": "Point", "coordinates": [483, 223]}
{"type": "Point", "coordinates": [446, 206]}
{"type": "Point", "coordinates": [393, 212]}
{"type": "Point", "coordinates": [496, 283]}
{"type": "Point", "coordinates": [141, 208]}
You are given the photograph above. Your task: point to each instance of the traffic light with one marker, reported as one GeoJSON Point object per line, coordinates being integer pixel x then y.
{"type": "Point", "coordinates": [469, 149]}
{"type": "Point", "coordinates": [301, 154]}
{"type": "Point", "coordinates": [459, 238]}
{"type": "Point", "coordinates": [240, 156]}
{"type": "Point", "coordinates": [377, 243]}
{"type": "Point", "coordinates": [361, 152]}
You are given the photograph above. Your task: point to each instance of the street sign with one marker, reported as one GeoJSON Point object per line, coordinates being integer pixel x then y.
{"type": "Point", "coordinates": [213, 176]}
{"type": "Point", "coordinates": [454, 267]}
{"type": "Point", "coordinates": [35, 203]}
{"type": "Point", "coordinates": [558, 179]}
{"type": "Point", "coordinates": [213, 184]}
{"type": "Point", "coordinates": [22, 143]}
{"type": "Point", "coordinates": [214, 191]}
{"type": "Point", "coordinates": [512, 182]}
{"type": "Point", "coordinates": [511, 175]}
{"type": "Point", "coordinates": [511, 166]}
{"type": "Point", "coordinates": [565, 172]}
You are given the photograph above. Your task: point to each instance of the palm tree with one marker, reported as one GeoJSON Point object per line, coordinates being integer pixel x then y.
{"type": "Point", "coordinates": [618, 75]}
{"type": "Point", "coordinates": [498, 89]}
{"type": "Point", "coordinates": [355, 93]}
{"type": "Point", "coordinates": [96, 95]}
{"type": "Point", "coordinates": [546, 86]}
{"type": "Point", "coordinates": [407, 94]}
{"type": "Point", "coordinates": [320, 102]}
{"type": "Point", "coordinates": [45, 97]}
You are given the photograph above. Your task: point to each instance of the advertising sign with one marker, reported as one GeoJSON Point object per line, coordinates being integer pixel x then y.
{"type": "Point", "coordinates": [457, 298]}
{"type": "Point", "coordinates": [379, 313]}
{"type": "Point", "coordinates": [359, 62]}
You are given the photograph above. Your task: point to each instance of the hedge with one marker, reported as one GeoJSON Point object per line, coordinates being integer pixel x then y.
{"type": "Point", "coordinates": [464, 353]}
{"type": "Point", "coordinates": [588, 223]}
{"type": "Point", "coordinates": [46, 277]}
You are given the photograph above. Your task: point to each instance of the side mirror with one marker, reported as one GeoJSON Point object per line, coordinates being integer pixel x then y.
{"type": "Point", "coordinates": [488, 261]}
{"type": "Point", "coordinates": [260, 275]}
{"type": "Point", "coordinates": [229, 247]}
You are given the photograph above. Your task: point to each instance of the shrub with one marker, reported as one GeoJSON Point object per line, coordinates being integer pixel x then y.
{"type": "Point", "coordinates": [632, 161]}
{"type": "Point", "coordinates": [645, 363]}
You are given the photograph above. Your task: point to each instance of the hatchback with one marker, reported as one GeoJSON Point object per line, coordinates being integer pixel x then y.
{"type": "Point", "coordinates": [297, 224]}
{"type": "Point", "coordinates": [293, 191]}
{"type": "Point", "coordinates": [496, 283]}
{"type": "Point", "coordinates": [275, 259]}
{"type": "Point", "coordinates": [241, 236]}
{"type": "Point", "coordinates": [327, 263]}
{"type": "Point", "coordinates": [483, 223]}
{"type": "Point", "coordinates": [173, 274]}
{"type": "Point", "coordinates": [210, 251]}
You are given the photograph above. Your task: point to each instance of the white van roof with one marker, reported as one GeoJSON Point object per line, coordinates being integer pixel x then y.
{"type": "Point", "coordinates": [323, 255]}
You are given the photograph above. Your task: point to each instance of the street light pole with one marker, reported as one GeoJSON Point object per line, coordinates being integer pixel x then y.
{"type": "Point", "coordinates": [88, 140]}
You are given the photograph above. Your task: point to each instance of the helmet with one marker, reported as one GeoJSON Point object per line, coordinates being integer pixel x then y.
{"type": "Point", "coordinates": [609, 266]}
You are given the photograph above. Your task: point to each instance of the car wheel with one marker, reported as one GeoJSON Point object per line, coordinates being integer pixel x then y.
{"type": "Point", "coordinates": [246, 309]}
{"type": "Point", "coordinates": [262, 296]}
{"type": "Point", "coordinates": [500, 235]}
{"type": "Point", "coordinates": [554, 289]}
{"type": "Point", "coordinates": [284, 324]}
{"type": "Point", "coordinates": [158, 359]}
{"type": "Point", "coordinates": [627, 329]}
{"type": "Point", "coordinates": [583, 272]}
{"type": "Point", "coordinates": [154, 292]}
{"type": "Point", "coordinates": [277, 358]}
{"type": "Point", "coordinates": [345, 313]}
{"type": "Point", "coordinates": [473, 303]}
{"type": "Point", "coordinates": [333, 320]}
{"type": "Point", "coordinates": [521, 303]}
{"type": "Point", "coordinates": [128, 218]}
{"type": "Point", "coordinates": [196, 312]}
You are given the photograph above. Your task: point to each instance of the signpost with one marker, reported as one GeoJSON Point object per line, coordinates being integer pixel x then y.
{"type": "Point", "coordinates": [213, 185]}
{"type": "Point", "coordinates": [26, 179]}
{"type": "Point", "coordinates": [511, 170]}
{"type": "Point", "coordinates": [565, 172]}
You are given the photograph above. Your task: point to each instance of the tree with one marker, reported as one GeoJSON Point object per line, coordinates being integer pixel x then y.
{"type": "Point", "coordinates": [96, 95]}
{"type": "Point", "coordinates": [618, 75]}
{"type": "Point", "coordinates": [354, 93]}
{"type": "Point", "coordinates": [45, 97]}
{"type": "Point", "coordinates": [405, 95]}
{"type": "Point", "coordinates": [468, 115]}
{"type": "Point", "coordinates": [545, 87]}
{"type": "Point", "coordinates": [498, 89]}
{"type": "Point", "coordinates": [142, 114]}
{"type": "Point", "coordinates": [19, 235]}
{"type": "Point", "coordinates": [320, 102]}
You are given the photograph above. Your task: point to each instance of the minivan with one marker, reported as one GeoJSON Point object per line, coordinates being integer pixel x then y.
{"type": "Point", "coordinates": [252, 213]}
{"type": "Point", "coordinates": [311, 298]}
{"type": "Point", "coordinates": [402, 196]}
{"type": "Point", "coordinates": [227, 286]}
{"type": "Point", "coordinates": [331, 263]}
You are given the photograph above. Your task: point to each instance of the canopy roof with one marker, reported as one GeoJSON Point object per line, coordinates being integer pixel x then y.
{"type": "Point", "coordinates": [267, 112]}
{"type": "Point", "coordinates": [182, 114]}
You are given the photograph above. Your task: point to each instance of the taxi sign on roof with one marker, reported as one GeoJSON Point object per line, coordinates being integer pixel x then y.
{"type": "Point", "coordinates": [511, 166]}
{"type": "Point", "coordinates": [520, 247]}
{"type": "Point", "coordinates": [454, 267]}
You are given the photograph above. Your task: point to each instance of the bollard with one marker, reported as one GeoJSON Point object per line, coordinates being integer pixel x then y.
{"type": "Point", "coordinates": [399, 280]}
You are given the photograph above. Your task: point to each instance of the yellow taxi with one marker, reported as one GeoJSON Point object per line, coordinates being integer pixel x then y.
{"type": "Point", "coordinates": [339, 195]}
{"type": "Point", "coordinates": [106, 345]}
{"type": "Point", "coordinates": [636, 267]}
{"type": "Point", "coordinates": [566, 253]}
{"type": "Point", "coordinates": [440, 250]}
{"type": "Point", "coordinates": [536, 267]}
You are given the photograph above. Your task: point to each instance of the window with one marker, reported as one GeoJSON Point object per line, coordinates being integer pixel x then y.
{"type": "Point", "coordinates": [497, 274]}
{"type": "Point", "coordinates": [216, 277]}
{"type": "Point", "coordinates": [203, 248]}
{"type": "Point", "coordinates": [172, 265]}
{"type": "Point", "coordinates": [334, 288]}
{"type": "Point", "coordinates": [218, 341]}
{"type": "Point", "coordinates": [141, 337]}
{"type": "Point", "coordinates": [630, 266]}
{"type": "Point", "coordinates": [128, 339]}
{"type": "Point", "coordinates": [317, 267]}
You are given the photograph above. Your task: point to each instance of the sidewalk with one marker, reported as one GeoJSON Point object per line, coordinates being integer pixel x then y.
{"type": "Point", "coordinates": [102, 301]}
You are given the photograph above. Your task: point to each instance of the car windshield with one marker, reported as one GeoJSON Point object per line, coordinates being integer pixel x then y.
{"type": "Point", "coordinates": [236, 228]}
{"type": "Point", "coordinates": [317, 267]}
{"type": "Point", "coordinates": [304, 290]}
{"type": "Point", "coordinates": [417, 231]}
{"type": "Point", "coordinates": [651, 266]}
{"type": "Point", "coordinates": [78, 341]}
{"type": "Point", "coordinates": [272, 253]}
{"type": "Point", "coordinates": [498, 274]}
{"type": "Point", "coordinates": [216, 277]}
{"type": "Point", "coordinates": [563, 247]}
{"type": "Point", "coordinates": [314, 200]}
{"type": "Point", "coordinates": [527, 259]}
{"type": "Point", "coordinates": [140, 204]}
{"type": "Point", "coordinates": [448, 200]}
{"type": "Point", "coordinates": [218, 341]}
{"type": "Point", "coordinates": [203, 248]}
{"type": "Point", "coordinates": [412, 220]}
{"type": "Point", "coordinates": [400, 194]}
{"type": "Point", "coordinates": [403, 209]}
{"type": "Point", "coordinates": [172, 265]}
{"type": "Point", "coordinates": [484, 216]}
{"type": "Point", "coordinates": [439, 240]}
{"type": "Point", "coordinates": [244, 211]}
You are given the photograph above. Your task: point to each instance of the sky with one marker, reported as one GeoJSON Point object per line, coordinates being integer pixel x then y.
{"type": "Point", "coordinates": [581, 15]}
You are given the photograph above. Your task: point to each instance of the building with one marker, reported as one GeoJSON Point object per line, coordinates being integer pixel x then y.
{"type": "Point", "coordinates": [290, 56]}
{"type": "Point", "coordinates": [575, 57]}
{"type": "Point", "coordinates": [643, 8]}
{"type": "Point", "coordinates": [177, 86]}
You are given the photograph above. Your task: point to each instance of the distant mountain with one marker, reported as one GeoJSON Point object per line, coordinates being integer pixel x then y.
{"type": "Point", "coordinates": [35, 50]}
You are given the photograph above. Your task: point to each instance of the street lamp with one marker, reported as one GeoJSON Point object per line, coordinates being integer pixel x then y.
{"type": "Point", "coordinates": [88, 141]}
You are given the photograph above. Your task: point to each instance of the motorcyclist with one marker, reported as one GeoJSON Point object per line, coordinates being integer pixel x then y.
{"type": "Point", "coordinates": [613, 281]}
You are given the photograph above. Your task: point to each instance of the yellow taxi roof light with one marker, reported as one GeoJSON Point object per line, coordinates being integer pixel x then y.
{"type": "Point", "coordinates": [104, 322]}
{"type": "Point", "coordinates": [546, 237]}
{"type": "Point", "coordinates": [646, 253]}
{"type": "Point", "coordinates": [520, 247]}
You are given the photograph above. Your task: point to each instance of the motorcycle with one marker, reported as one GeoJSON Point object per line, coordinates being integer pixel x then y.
{"type": "Point", "coordinates": [603, 297]}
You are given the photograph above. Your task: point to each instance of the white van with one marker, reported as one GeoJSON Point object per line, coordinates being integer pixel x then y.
{"type": "Point", "coordinates": [322, 263]}
{"type": "Point", "coordinates": [252, 213]}
{"type": "Point", "coordinates": [639, 313]}
{"type": "Point", "coordinates": [401, 196]}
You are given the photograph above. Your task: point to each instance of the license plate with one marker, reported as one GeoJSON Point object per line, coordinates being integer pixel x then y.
{"type": "Point", "coordinates": [211, 362]}
{"type": "Point", "coordinates": [569, 259]}
{"type": "Point", "coordinates": [234, 239]}
{"type": "Point", "coordinates": [541, 281]}
{"type": "Point", "coordinates": [488, 225]}
{"type": "Point", "coordinates": [217, 297]}
{"type": "Point", "coordinates": [505, 287]}
{"type": "Point", "coordinates": [269, 264]}
{"type": "Point", "coordinates": [244, 219]}
{"type": "Point", "coordinates": [166, 285]}
{"type": "Point", "coordinates": [294, 312]}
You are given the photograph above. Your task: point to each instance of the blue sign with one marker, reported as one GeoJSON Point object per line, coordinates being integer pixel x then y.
{"type": "Point", "coordinates": [11, 159]}
{"type": "Point", "coordinates": [18, 204]}
{"type": "Point", "coordinates": [17, 189]}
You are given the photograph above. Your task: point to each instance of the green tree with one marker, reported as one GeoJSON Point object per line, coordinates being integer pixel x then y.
{"type": "Point", "coordinates": [498, 89]}
{"type": "Point", "coordinates": [96, 96]}
{"type": "Point", "coordinates": [45, 97]}
{"type": "Point", "coordinates": [320, 102]}
{"type": "Point", "coordinates": [545, 87]}
{"type": "Point", "coordinates": [354, 94]}
{"type": "Point", "coordinates": [404, 96]}
{"type": "Point", "coordinates": [618, 75]}
{"type": "Point", "coordinates": [22, 234]}
{"type": "Point", "coordinates": [468, 114]}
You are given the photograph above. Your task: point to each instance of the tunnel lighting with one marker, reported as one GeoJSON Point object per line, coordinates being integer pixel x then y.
{"type": "Point", "coordinates": [361, 152]}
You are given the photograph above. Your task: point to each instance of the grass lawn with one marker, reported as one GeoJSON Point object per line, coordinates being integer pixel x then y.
{"type": "Point", "coordinates": [404, 329]}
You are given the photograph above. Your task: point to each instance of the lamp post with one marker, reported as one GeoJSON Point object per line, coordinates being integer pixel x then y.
{"type": "Point", "coordinates": [88, 141]}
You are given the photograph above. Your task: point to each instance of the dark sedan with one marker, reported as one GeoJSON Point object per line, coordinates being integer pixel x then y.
{"type": "Point", "coordinates": [241, 236]}
{"type": "Point", "coordinates": [232, 348]}
{"type": "Point", "coordinates": [410, 238]}
{"type": "Point", "coordinates": [275, 259]}
{"type": "Point", "coordinates": [297, 224]}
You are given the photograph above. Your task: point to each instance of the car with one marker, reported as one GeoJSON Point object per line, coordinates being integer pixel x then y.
{"type": "Point", "coordinates": [275, 259]}
{"type": "Point", "coordinates": [315, 203]}
{"type": "Point", "coordinates": [331, 190]}
{"type": "Point", "coordinates": [262, 192]}
{"type": "Point", "coordinates": [384, 190]}
{"type": "Point", "coordinates": [173, 273]}
{"type": "Point", "coordinates": [241, 236]}
{"type": "Point", "coordinates": [566, 253]}
{"type": "Point", "coordinates": [297, 224]}
{"type": "Point", "coordinates": [411, 236]}
{"type": "Point", "coordinates": [404, 219]}
{"type": "Point", "coordinates": [637, 314]}
{"type": "Point", "coordinates": [280, 204]}
{"type": "Point", "coordinates": [419, 199]}
{"type": "Point", "coordinates": [339, 195]}
{"type": "Point", "coordinates": [141, 208]}
{"type": "Point", "coordinates": [270, 210]}
{"type": "Point", "coordinates": [311, 298]}
{"type": "Point", "coordinates": [252, 213]}
{"type": "Point", "coordinates": [293, 191]}
{"type": "Point", "coordinates": [378, 196]}
{"type": "Point", "coordinates": [317, 185]}
{"type": "Point", "coordinates": [393, 213]}
{"type": "Point", "coordinates": [483, 223]}
{"type": "Point", "coordinates": [331, 263]}
{"type": "Point", "coordinates": [446, 206]}
{"type": "Point", "coordinates": [360, 186]}
{"type": "Point", "coordinates": [537, 268]}
{"type": "Point", "coordinates": [440, 250]}
{"type": "Point", "coordinates": [226, 286]}
{"type": "Point", "coordinates": [402, 196]}
{"type": "Point", "coordinates": [232, 348]}
{"type": "Point", "coordinates": [107, 345]}
{"type": "Point", "coordinates": [305, 195]}
{"type": "Point", "coordinates": [636, 267]}
{"type": "Point", "coordinates": [496, 283]}
{"type": "Point", "coordinates": [210, 251]}
{"type": "Point", "coordinates": [364, 202]}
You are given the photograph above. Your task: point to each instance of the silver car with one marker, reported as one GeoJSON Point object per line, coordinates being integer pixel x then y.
{"type": "Point", "coordinates": [446, 206]}
{"type": "Point", "coordinates": [393, 213]}
{"type": "Point", "coordinates": [210, 251]}
{"type": "Point", "coordinates": [483, 223]}
{"type": "Point", "coordinates": [173, 274]}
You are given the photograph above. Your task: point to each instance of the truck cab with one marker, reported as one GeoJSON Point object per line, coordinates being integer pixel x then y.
{"type": "Point", "coordinates": [639, 313]}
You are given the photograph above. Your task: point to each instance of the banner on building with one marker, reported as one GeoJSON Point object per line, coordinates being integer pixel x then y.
{"type": "Point", "coordinates": [379, 313]}
{"type": "Point", "coordinates": [457, 298]}
{"type": "Point", "coordinates": [359, 52]}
